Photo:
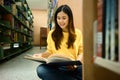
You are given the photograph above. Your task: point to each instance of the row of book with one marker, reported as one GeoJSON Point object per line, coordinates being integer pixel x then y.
{"type": "Point", "coordinates": [16, 27]}
{"type": "Point", "coordinates": [107, 30]}
{"type": "Point", "coordinates": [8, 36]}
{"type": "Point", "coordinates": [19, 9]}
{"type": "Point", "coordinates": [52, 5]}
{"type": "Point", "coordinates": [8, 49]}
{"type": "Point", "coordinates": [12, 22]}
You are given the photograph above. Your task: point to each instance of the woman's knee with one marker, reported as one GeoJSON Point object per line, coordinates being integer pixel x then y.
{"type": "Point", "coordinates": [41, 70]}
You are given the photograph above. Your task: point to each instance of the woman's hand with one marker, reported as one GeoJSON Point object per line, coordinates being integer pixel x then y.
{"type": "Point", "coordinates": [80, 58]}
{"type": "Point", "coordinates": [37, 55]}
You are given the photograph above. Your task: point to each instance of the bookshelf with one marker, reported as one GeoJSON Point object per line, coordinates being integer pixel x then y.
{"type": "Point", "coordinates": [43, 36]}
{"type": "Point", "coordinates": [52, 5]}
{"type": "Point", "coordinates": [110, 65]}
{"type": "Point", "coordinates": [107, 55]}
{"type": "Point", "coordinates": [91, 69]}
{"type": "Point", "coordinates": [16, 27]}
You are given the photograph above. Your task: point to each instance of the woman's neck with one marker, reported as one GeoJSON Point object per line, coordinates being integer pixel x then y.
{"type": "Point", "coordinates": [65, 30]}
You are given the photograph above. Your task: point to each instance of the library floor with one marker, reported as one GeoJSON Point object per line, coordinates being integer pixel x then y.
{"type": "Point", "coordinates": [19, 68]}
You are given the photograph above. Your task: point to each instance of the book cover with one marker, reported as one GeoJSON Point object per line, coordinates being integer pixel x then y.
{"type": "Point", "coordinates": [54, 60]}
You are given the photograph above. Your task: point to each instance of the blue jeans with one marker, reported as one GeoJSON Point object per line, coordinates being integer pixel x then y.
{"type": "Point", "coordinates": [46, 72]}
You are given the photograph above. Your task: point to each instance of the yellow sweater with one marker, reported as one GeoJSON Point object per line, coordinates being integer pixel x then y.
{"type": "Point", "coordinates": [71, 52]}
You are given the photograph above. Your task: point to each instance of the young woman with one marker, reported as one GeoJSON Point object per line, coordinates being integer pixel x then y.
{"type": "Point", "coordinates": [63, 40]}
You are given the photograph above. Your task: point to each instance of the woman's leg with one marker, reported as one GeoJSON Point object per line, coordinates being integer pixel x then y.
{"type": "Point", "coordinates": [46, 72]}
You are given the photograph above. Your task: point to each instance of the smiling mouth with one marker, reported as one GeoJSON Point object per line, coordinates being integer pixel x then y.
{"type": "Point", "coordinates": [62, 24]}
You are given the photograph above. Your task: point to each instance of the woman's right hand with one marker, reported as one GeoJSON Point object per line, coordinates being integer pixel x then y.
{"type": "Point", "coordinates": [37, 55]}
{"type": "Point", "coordinates": [44, 55]}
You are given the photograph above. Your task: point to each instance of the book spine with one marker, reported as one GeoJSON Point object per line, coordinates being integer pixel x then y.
{"type": "Point", "coordinates": [6, 46]}
{"type": "Point", "coordinates": [6, 36]}
{"type": "Point", "coordinates": [116, 31]}
{"type": "Point", "coordinates": [99, 27]}
{"type": "Point", "coordinates": [14, 9]}
{"type": "Point", "coordinates": [112, 29]}
{"type": "Point", "coordinates": [103, 28]}
{"type": "Point", "coordinates": [107, 28]}
{"type": "Point", "coordinates": [95, 24]}
{"type": "Point", "coordinates": [8, 17]}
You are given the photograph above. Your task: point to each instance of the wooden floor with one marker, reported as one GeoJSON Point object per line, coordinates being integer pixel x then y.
{"type": "Point", "coordinates": [19, 68]}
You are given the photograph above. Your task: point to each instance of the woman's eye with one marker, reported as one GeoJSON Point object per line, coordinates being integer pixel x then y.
{"type": "Point", "coordinates": [58, 18]}
{"type": "Point", "coordinates": [64, 18]}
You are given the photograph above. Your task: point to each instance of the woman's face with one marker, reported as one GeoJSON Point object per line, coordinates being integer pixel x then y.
{"type": "Point", "coordinates": [62, 20]}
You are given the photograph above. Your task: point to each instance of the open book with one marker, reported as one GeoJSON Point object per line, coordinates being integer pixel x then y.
{"type": "Point", "coordinates": [54, 60]}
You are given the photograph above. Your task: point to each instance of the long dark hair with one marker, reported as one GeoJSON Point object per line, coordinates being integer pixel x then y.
{"type": "Point", "coordinates": [57, 34]}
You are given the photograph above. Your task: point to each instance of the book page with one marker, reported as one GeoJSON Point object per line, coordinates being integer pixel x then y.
{"type": "Point", "coordinates": [58, 59]}
{"type": "Point", "coordinates": [40, 59]}
{"type": "Point", "coordinates": [54, 60]}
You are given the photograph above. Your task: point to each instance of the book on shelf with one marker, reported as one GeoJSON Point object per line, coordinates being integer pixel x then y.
{"type": "Point", "coordinates": [5, 23]}
{"type": "Point", "coordinates": [54, 60]}
{"type": "Point", "coordinates": [7, 2]}
{"type": "Point", "coordinates": [6, 36]}
{"type": "Point", "coordinates": [106, 29]}
{"type": "Point", "coordinates": [14, 9]}
{"type": "Point", "coordinates": [1, 52]}
{"type": "Point", "coordinates": [15, 36]}
{"type": "Point", "coordinates": [95, 25]}
{"type": "Point", "coordinates": [6, 46]}
{"type": "Point", "coordinates": [114, 30]}
{"type": "Point", "coordinates": [8, 17]}
{"type": "Point", "coordinates": [99, 28]}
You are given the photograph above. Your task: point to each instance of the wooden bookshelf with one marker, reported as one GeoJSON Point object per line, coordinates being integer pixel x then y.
{"type": "Point", "coordinates": [108, 57]}
{"type": "Point", "coordinates": [110, 65]}
{"type": "Point", "coordinates": [43, 36]}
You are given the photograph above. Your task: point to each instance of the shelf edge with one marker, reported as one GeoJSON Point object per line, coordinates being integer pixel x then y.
{"type": "Point", "coordinates": [110, 65]}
